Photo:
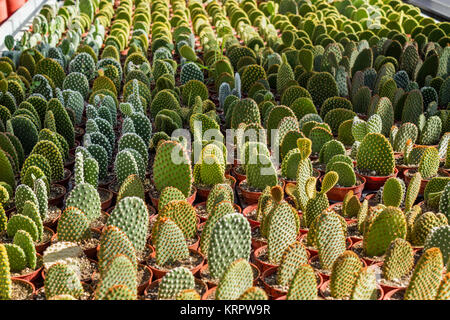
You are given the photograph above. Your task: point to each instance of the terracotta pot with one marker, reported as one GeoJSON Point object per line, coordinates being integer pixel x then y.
{"type": "Point", "coordinates": [338, 193]}
{"type": "Point", "coordinates": [157, 273]}
{"type": "Point", "coordinates": [14, 5]}
{"type": "Point", "coordinates": [65, 181]}
{"type": "Point", "coordinates": [251, 197]}
{"type": "Point", "coordinates": [256, 243]}
{"type": "Point", "coordinates": [211, 284]}
{"type": "Point", "coordinates": [208, 293]}
{"type": "Point", "coordinates": [247, 211]}
{"type": "Point", "coordinates": [402, 168]}
{"type": "Point", "coordinates": [91, 253]}
{"type": "Point", "coordinates": [375, 183]}
{"type": "Point", "coordinates": [273, 292]}
{"type": "Point", "coordinates": [58, 201]}
{"type": "Point", "coordinates": [32, 276]}
{"type": "Point", "coordinates": [202, 194]}
{"type": "Point", "coordinates": [239, 177]}
{"type": "Point", "coordinates": [106, 203]}
{"type": "Point", "coordinates": [191, 198]}
{"type": "Point", "coordinates": [262, 265]}
{"type": "Point", "coordinates": [3, 11]}
{"type": "Point", "coordinates": [389, 288]}
{"type": "Point", "coordinates": [52, 224]}
{"type": "Point", "coordinates": [158, 281]}
{"type": "Point", "coordinates": [27, 283]}
{"type": "Point", "coordinates": [388, 295]}
{"type": "Point", "coordinates": [324, 287]}
{"type": "Point", "coordinates": [203, 219]}
{"type": "Point", "coordinates": [423, 182]}
{"type": "Point", "coordinates": [367, 260]}
{"type": "Point", "coordinates": [42, 246]}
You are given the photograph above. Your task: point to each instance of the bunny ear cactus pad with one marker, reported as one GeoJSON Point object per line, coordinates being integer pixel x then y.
{"type": "Point", "coordinates": [21, 222]}
{"type": "Point", "coordinates": [113, 242]}
{"type": "Point", "coordinates": [262, 173]}
{"type": "Point", "coordinates": [131, 216]}
{"type": "Point", "coordinates": [174, 282]}
{"type": "Point", "coordinates": [365, 287]}
{"type": "Point", "coordinates": [399, 260]}
{"type": "Point", "coordinates": [393, 192]}
{"type": "Point", "coordinates": [167, 195]}
{"type": "Point", "coordinates": [119, 292]}
{"type": "Point", "coordinates": [172, 167]}
{"type": "Point", "coordinates": [220, 192]}
{"type": "Point", "coordinates": [132, 186]}
{"type": "Point", "coordinates": [170, 245]}
{"type": "Point", "coordinates": [120, 271]}
{"type": "Point", "coordinates": [23, 194]}
{"type": "Point", "coordinates": [424, 224]}
{"type": "Point", "coordinates": [220, 210]}
{"type": "Point", "coordinates": [62, 279]}
{"type": "Point", "coordinates": [303, 285]}
{"type": "Point", "coordinates": [344, 274]}
{"type": "Point", "coordinates": [429, 163]}
{"type": "Point", "coordinates": [245, 111]}
{"type": "Point", "coordinates": [412, 191]}
{"type": "Point", "coordinates": [236, 279]}
{"type": "Point", "coordinates": [444, 289]}
{"type": "Point", "coordinates": [73, 225]}
{"type": "Point", "coordinates": [24, 241]}
{"type": "Point", "coordinates": [426, 277]}
{"type": "Point", "coordinates": [231, 231]}
{"type": "Point", "coordinates": [5, 276]}
{"type": "Point", "coordinates": [389, 225]}
{"type": "Point", "coordinates": [375, 154]}
{"type": "Point", "coordinates": [64, 125]}
{"type": "Point", "coordinates": [330, 239]}
{"type": "Point", "coordinates": [183, 214]}
{"type": "Point", "coordinates": [51, 152]}
{"type": "Point", "coordinates": [282, 228]}
{"type": "Point", "coordinates": [16, 256]}
{"type": "Point", "coordinates": [86, 198]}
{"type": "Point", "coordinates": [293, 257]}
{"type": "Point", "coordinates": [254, 293]}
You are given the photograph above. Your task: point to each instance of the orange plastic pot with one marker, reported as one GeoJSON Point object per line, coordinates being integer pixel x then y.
{"type": "Point", "coordinates": [158, 273]}
{"type": "Point", "coordinates": [3, 11]}
{"type": "Point", "coordinates": [338, 193]}
{"type": "Point", "coordinates": [14, 5]}
{"type": "Point", "coordinates": [375, 183]}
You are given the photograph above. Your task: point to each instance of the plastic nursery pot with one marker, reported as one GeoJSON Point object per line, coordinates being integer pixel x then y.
{"type": "Point", "coordinates": [27, 284]}
{"type": "Point", "coordinates": [402, 168]}
{"type": "Point", "coordinates": [14, 5]}
{"type": "Point", "coordinates": [324, 288]}
{"type": "Point", "coordinates": [143, 285]}
{"type": "Point", "coordinates": [389, 294]}
{"type": "Point", "coordinates": [210, 294]}
{"type": "Point", "coordinates": [273, 292]}
{"type": "Point", "coordinates": [65, 181]}
{"type": "Point", "coordinates": [423, 183]}
{"type": "Point", "coordinates": [202, 193]}
{"type": "Point", "coordinates": [3, 11]}
{"type": "Point", "coordinates": [40, 247]}
{"type": "Point", "coordinates": [252, 197]}
{"type": "Point", "coordinates": [58, 200]}
{"type": "Point", "coordinates": [239, 177]}
{"type": "Point", "coordinates": [107, 201]}
{"type": "Point", "coordinates": [257, 243]}
{"type": "Point", "coordinates": [159, 273]}
{"type": "Point", "coordinates": [155, 283]}
{"type": "Point", "coordinates": [375, 183]}
{"type": "Point", "coordinates": [52, 223]}
{"type": "Point", "coordinates": [190, 199]}
{"type": "Point", "coordinates": [262, 265]}
{"type": "Point", "coordinates": [211, 284]}
{"type": "Point", "coordinates": [203, 204]}
{"type": "Point", "coordinates": [338, 193]}
{"type": "Point", "coordinates": [247, 211]}
{"type": "Point", "coordinates": [32, 276]}
{"type": "Point", "coordinates": [367, 260]}
{"type": "Point", "coordinates": [91, 253]}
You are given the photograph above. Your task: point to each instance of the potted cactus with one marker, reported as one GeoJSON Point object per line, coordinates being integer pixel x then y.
{"type": "Point", "coordinates": [375, 160]}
